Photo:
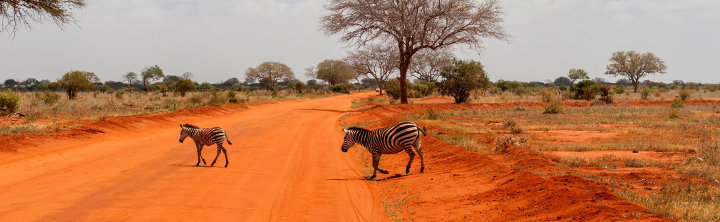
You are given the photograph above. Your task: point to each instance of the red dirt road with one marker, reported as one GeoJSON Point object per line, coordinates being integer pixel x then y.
{"type": "Point", "coordinates": [285, 165]}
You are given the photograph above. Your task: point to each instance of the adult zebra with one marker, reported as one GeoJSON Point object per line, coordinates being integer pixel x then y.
{"type": "Point", "coordinates": [205, 137]}
{"type": "Point", "coordinates": [388, 140]}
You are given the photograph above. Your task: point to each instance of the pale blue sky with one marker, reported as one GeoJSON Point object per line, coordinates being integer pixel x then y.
{"type": "Point", "coordinates": [217, 40]}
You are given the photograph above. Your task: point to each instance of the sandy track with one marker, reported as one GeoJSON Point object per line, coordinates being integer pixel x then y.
{"type": "Point", "coordinates": [285, 165]}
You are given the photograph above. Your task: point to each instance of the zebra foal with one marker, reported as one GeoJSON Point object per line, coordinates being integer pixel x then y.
{"type": "Point", "coordinates": [389, 140]}
{"type": "Point", "coordinates": [205, 137]}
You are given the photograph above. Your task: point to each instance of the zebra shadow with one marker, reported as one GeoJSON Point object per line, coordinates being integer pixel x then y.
{"type": "Point", "coordinates": [367, 178]}
{"type": "Point", "coordinates": [193, 166]}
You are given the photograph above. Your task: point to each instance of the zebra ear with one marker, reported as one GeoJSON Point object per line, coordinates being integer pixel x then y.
{"type": "Point", "coordinates": [345, 131]}
{"type": "Point", "coordinates": [181, 125]}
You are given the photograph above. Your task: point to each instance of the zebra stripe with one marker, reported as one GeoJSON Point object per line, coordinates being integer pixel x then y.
{"type": "Point", "coordinates": [389, 140]}
{"type": "Point", "coordinates": [205, 137]}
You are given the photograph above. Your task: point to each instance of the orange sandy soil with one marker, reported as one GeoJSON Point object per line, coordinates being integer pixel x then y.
{"type": "Point", "coordinates": [460, 185]}
{"type": "Point", "coordinates": [285, 165]}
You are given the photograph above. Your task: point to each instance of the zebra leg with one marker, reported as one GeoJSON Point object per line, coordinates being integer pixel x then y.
{"type": "Point", "coordinates": [199, 154]}
{"type": "Point", "coordinates": [410, 153]}
{"type": "Point", "coordinates": [421, 154]}
{"type": "Point", "coordinates": [377, 166]}
{"type": "Point", "coordinates": [216, 155]}
{"type": "Point", "coordinates": [226, 159]}
{"type": "Point", "coordinates": [376, 162]}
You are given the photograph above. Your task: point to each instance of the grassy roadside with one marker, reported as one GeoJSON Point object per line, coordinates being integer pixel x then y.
{"type": "Point", "coordinates": [685, 190]}
{"type": "Point", "coordinates": [46, 112]}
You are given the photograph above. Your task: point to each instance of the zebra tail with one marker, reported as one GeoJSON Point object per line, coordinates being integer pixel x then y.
{"type": "Point", "coordinates": [423, 130]}
{"type": "Point", "coordinates": [228, 139]}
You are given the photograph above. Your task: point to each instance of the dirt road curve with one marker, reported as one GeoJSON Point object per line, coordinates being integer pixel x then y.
{"type": "Point", "coordinates": [285, 165]}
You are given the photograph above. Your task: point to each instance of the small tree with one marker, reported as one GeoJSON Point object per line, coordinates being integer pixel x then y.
{"type": "Point", "coordinates": [10, 83]}
{"type": "Point", "coordinates": [150, 74]}
{"type": "Point", "coordinates": [332, 72]}
{"type": "Point", "coordinates": [14, 13]}
{"type": "Point", "coordinates": [130, 78]}
{"type": "Point", "coordinates": [462, 78]}
{"type": "Point", "coordinates": [575, 74]}
{"type": "Point", "coordinates": [183, 86]}
{"type": "Point", "coordinates": [634, 66]}
{"type": "Point", "coordinates": [376, 61]}
{"type": "Point", "coordinates": [269, 73]}
{"type": "Point", "coordinates": [563, 81]}
{"type": "Point", "coordinates": [76, 81]}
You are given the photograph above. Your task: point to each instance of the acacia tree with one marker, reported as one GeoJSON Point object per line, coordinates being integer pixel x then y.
{"type": "Point", "coordinates": [634, 66]}
{"type": "Point", "coordinates": [377, 61]}
{"type": "Point", "coordinates": [130, 77]}
{"type": "Point", "coordinates": [76, 81]}
{"type": "Point", "coordinates": [413, 25]}
{"type": "Point", "coordinates": [428, 64]}
{"type": "Point", "coordinates": [332, 72]}
{"type": "Point", "coordinates": [575, 74]}
{"type": "Point", "coordinates": [269, 73]}
{"type": "Point", "coordinates": [150, 74]}
{"type": "Point", "coordinates": [14, 13]}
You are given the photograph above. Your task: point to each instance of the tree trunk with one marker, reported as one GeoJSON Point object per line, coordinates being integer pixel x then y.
{"type": "Point", "coordinates": [404, 64]}
{"type": "Point", "coordinates": [379, 83]}
{"type": "Point", "coordinates": [145, 84]}
{"type": "Point", "coordinates": [635, 87]}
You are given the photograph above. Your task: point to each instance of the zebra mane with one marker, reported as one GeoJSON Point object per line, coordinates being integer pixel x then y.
{"type": "Point", "coordinates": [190, 126]}
{"type": "Point", "coordinates": [358, 129]}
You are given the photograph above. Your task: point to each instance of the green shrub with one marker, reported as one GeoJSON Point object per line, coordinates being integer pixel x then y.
{"type": "Point", "coordinates": [103, 88]}
{"type": "Point", "coordinates": [424, 88]}
{"type": "Point", "coordinates": [342, 88]}
{"type": "Point", "coordinates": [392, 88]}
{"type": "Point", "coordinates": [9, 102]}
{"type": "Point", "coordinates": [586, 89]}
{"type": "Point", "coordinates": [553, 107]}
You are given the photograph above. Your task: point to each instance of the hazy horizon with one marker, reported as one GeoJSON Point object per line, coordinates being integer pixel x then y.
{"type": "Point", "coordinates": [220, 40]}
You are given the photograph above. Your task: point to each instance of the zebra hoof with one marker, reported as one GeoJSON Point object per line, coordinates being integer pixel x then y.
{"type": "Point", "coordinates": [422, 169]}
{"type": "Point", "coordinates": [383, 171]}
